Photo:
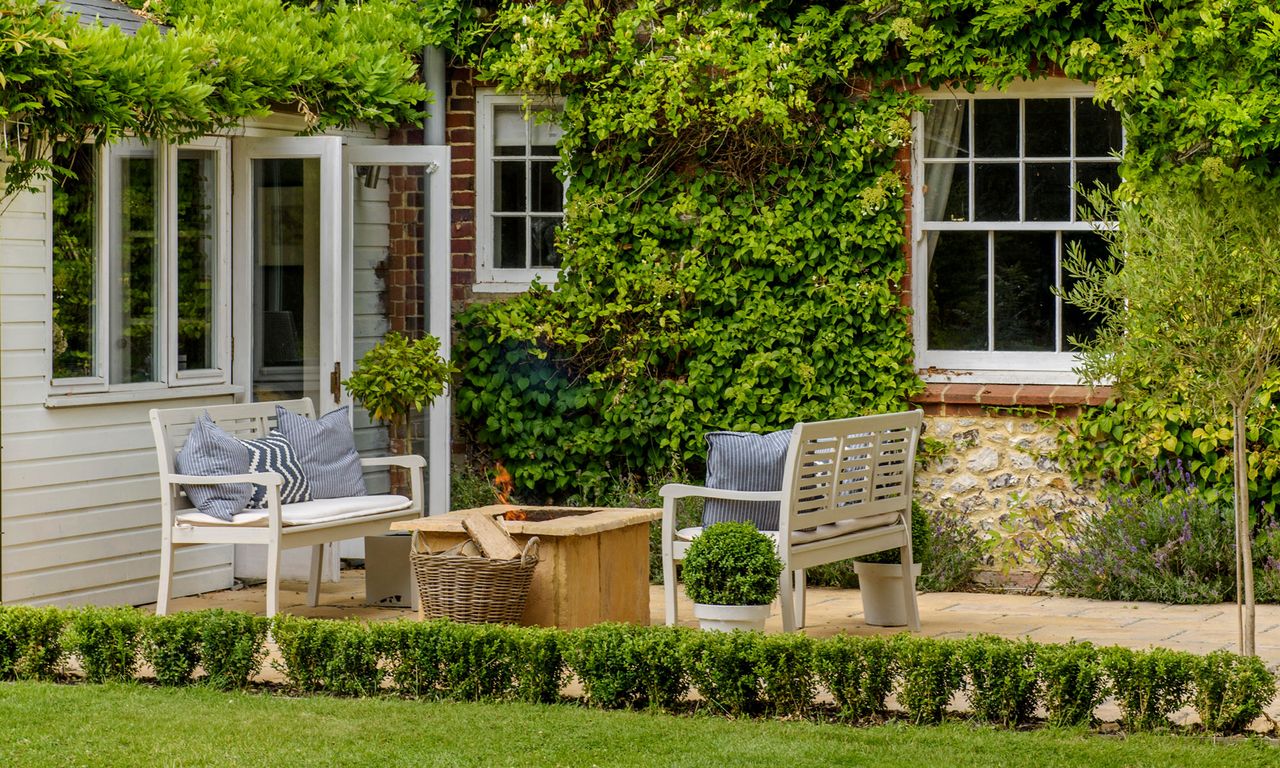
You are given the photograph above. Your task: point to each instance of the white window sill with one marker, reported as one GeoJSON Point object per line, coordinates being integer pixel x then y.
{"type": "Point", "coordinates": [506, 287]}
{"type": "Point", "coordinates": [998, 376]}
{"type": "Point", "coordinates": [144, 395]}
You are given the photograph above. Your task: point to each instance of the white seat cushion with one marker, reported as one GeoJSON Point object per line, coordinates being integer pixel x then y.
{"type": "Point", "coordinates": [305, 512]}
{"type": "Point", "coordinates": [689, 534]}
{"type": "Point", "coordinates": [832, 530]}
{"type": "Point", "coordinates": [811, 535]}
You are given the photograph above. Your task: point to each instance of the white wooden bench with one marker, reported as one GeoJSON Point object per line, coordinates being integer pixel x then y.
{"type": "Point", "coordinates": [279, 526]}
{"type": "Point", "coordinates": [846, 491]}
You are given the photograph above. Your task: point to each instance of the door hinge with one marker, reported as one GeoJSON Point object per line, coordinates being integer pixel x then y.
{"type": "Point", "coordinates": [335, 383]}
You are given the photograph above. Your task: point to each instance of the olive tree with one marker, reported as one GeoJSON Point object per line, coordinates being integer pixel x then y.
{"type": "Point", "coordinates": [1188, 298]}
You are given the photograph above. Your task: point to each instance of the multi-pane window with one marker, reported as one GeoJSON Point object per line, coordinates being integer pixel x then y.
{"type": "Point", "coordinates": [999, 180]}
{"type": "Point", "coordinates": [139, 267]}
{"type": "Point", "coordinates": [520, 200]}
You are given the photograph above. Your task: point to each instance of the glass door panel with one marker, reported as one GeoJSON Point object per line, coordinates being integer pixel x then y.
{"type": "Point", "coordinates": [286, 275]}
{"type": "Point", "coordinates": [287, 224]}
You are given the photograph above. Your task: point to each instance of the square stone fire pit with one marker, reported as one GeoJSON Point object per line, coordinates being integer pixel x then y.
{"type": "Point", "coordinates": [593, 563]}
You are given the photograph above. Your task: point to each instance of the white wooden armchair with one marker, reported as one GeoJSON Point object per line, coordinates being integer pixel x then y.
{"type": "Point", "coordinates": [846, 491]}
{"type": "Point", "coordinates": [279, 526]}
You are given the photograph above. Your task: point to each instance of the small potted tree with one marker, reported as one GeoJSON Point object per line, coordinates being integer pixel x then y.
{"type": "Point", "coordinates": [880, 576]}
{"type": "Point", "coordinates": [731, 575]}
{"type": "Point", "coordinates": [397, 376]}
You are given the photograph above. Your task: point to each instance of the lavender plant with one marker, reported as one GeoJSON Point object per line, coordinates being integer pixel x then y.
{"type": "Point", "coordinates": [1161, 541]}
{"type": "Point", "coordinates": [956, 548]}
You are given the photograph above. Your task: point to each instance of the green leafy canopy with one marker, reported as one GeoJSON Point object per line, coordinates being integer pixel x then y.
{"type": "Point", "coordinates": [398, 376]}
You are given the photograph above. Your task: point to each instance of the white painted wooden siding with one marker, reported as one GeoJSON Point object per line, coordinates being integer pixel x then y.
{"type": "Point", "coordinates": [79, 508]}
{"type": "Point", "coordinates": [371, 238]}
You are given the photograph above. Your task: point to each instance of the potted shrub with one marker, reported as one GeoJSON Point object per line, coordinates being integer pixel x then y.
{"type": "Point", "coordinates": [398, 376]}
{"type": "Point", "coordinates": [880, 576]}
{"type": "Point", "coordinates": [731, 575]}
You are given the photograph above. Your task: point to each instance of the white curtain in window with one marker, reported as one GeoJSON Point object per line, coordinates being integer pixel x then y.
{"type": "Point", "coordinates": [943, 126]}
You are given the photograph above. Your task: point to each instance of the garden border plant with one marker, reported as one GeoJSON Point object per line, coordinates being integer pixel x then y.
{"type": "Point", "coordinates": [739, 674]}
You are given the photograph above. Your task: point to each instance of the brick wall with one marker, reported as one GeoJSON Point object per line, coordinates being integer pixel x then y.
{"type": "Point", "coordinates": [460, 133]}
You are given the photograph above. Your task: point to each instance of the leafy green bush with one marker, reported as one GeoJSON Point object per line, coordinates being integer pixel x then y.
{"type": "Point", "coordinates": [540, 665]}
{"type": "Point", "coordinates": [232, 647]}
{"type": "Point", "coordinates": [857, 671]}
{"type": "Point", "coordinates": [732, 564]}
{"type": "Point", "coordinates": [352, 668]}
{"type": "Point", "coordinates": [621, 665]}
{"type": "Point", "coordinates": [1162, 541]}
{"type": "Point", "coordinates": [930, 672]}
{"type": "Point", "coordinates": [476, 661]}
{"type": "Point", "coordinates": [1126, 440]}
{"type": "Point", "coordinates": [955, 550]}
{"type": "Point", "coordinates": [1149, 685]}
{"type": "Point", "coordinates": [305, 647]}
{"type": "Point", "coordinates": [171, 645]}
{"type": "Point", "coordinates": [31, 644]}
{"type": "Point", "coordinates": [399, 376]}
{"type": "Point", "coordinates": [1003, 685]}
{"type": "Point", "coordinates": [10, 651]}
{"type": "Point", "coordinates": [784, 664]}
{"type": "Point", "coordinates": [722, 666]}
{"type": "Point", "coordinates": [413, 649]}
{"type": "Point", "coordinates": [920, 540]}
{"type": "Point", "coordinates": [107, 642]}
{"type": "Point", "coordinates": [1231, 691]}
{"type": "Point", "coordinates": [1074, 682]}
{"type": "Point", "coordinates": [339, 657]}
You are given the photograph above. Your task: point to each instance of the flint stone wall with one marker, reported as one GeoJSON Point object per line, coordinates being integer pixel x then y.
{"type": "Point", "coordinates": [996, 462]}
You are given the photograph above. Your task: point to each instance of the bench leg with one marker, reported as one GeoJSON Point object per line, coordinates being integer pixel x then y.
{"type": "Point", "coordinates": [313, 581]}
{"type": "Point", "coordinates": [273, 577]}
{"type": "Point", "coordinates": [909, 591]}
{"type": "Point", "coordinates": [801, 583]}
{"type": "Point", "coordinates": [166, 577]}
{"type": "Point", "coordinates": [787, 599]}
{"type": "Point", "coordinates": [669, 588]}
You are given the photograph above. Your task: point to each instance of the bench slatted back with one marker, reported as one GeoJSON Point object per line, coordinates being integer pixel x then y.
{"type": "Point", "coordinates": [247, 421]}
{"type": "Point", "coordinates": [847, 469]}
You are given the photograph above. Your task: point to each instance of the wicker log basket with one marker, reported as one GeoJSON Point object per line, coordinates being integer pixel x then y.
{"type": "Point", "coordinates": [475, 590]}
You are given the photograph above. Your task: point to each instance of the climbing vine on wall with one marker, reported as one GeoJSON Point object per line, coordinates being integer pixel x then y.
{"type": "Point", "coordinates": [217, 62]}
{"type": "Point", "coordinates": [733, 245]}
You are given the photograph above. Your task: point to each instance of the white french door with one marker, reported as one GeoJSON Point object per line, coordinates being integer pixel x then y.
{"type": "Point", "coordinates": [287, 234]}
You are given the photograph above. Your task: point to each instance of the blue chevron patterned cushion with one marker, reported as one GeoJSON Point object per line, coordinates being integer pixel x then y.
{"type": "Point", "coordinates": [273, 453]}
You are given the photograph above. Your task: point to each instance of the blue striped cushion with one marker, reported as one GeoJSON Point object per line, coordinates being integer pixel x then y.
{"type": "Point", "coordinates": [745, 461]}
{"type": "Point", "coordinates": [211, 451]}
{"type": "Point", "coordinates": [326, 448]}
{"type": "Point", "coordinates": [273, 453]}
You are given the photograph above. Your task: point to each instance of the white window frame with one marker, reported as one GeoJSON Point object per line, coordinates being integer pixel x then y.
{"type": "Point", "coordinates": [990, 367]}
{"type": "Point", "coordinates": [490, 278]}
{"type": "Point", "coordinates": [167, 247]}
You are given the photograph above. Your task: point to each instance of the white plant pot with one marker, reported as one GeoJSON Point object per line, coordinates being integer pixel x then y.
{"type": "Point", "coordinates": [883, 599]}
{"type": "Point", "coordinates": [726, 618]}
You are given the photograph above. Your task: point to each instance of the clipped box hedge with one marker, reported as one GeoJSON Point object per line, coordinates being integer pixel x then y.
{"type": "Point", "coordinates": [621, 666]}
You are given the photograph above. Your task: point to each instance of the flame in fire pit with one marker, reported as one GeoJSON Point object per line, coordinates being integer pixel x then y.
{"type": "Point", "coordinates": [502, 486]}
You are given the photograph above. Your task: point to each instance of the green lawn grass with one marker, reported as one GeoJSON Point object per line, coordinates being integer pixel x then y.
{"type": "Point", "coordinates": [134, 725]}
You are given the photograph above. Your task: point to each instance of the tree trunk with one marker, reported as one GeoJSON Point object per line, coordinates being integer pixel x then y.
{"type": "Point", "coordinates": [1244, 534]}
{"type": "Point", "coordinates": [401, 444]}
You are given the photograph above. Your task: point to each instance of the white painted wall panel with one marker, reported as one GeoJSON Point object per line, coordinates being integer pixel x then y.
{"type": "Point", "coordinates": [79, 499]}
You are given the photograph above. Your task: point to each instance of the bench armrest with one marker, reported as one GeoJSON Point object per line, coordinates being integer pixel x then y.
{"type": "Point", "coordinates": [409, 462]}
{"type": "Point", "coordinates": [681, 491]}
{"type": "Point", "coordinates": [261, 478]}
